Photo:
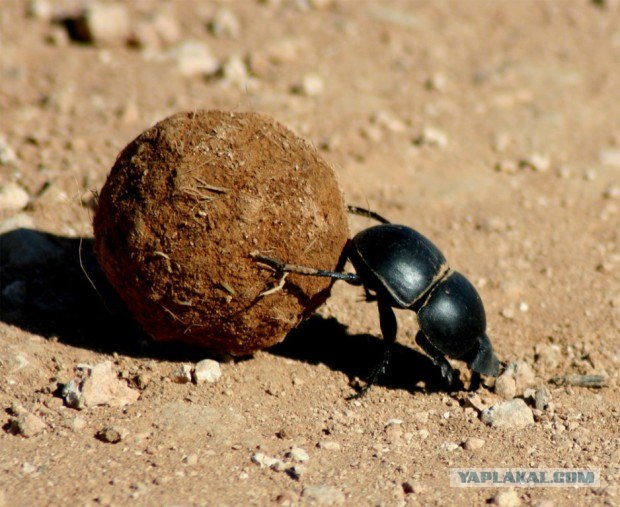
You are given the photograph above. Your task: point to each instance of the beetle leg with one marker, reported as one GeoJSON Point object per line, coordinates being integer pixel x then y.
{"type": "Point", "coordinates": [363, 212]}
{"type": "Point", "coordinates": [439, 360]}
{"type": "Point", "coordinates": [284, 267]}
{"type": "Point", "coordinates": [389, 328]}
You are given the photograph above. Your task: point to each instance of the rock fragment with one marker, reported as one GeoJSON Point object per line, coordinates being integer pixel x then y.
{"type": "Point", "coordinates": [311, 85]}
{"type": "Point", "coordinates": [225, 24]}
{"type": "Point", "coordinates": [542, 398]}
{"type": "Point", "coordinates": [98, 385]}
{"type": "Point", "coordinates": [505, 386]}
{"type": "Point", "coordinates": [298, 454]}
{"type": "Point", "coordinates": [182, 374]}
{"type": "Point", "coordinates": [13, 197]}
{"type": "Point", "coordinates": [207, 370]}
{"type": "Point", "coordinates": [100, 23]}
{"type": "Point", "coordinates": [508, 414]}
{"type": "Point", "coordinates": [323, 495]}
{"type": "Point", "coordinates": [193, 59]}
{"type": "Point", "coordinates": [25, 423]}
{"type": "Point", "coordinates": [506, 498]}
{"type": "Point", "coordinates": [431, 136]}
{"type": "Point", "coordinates": [473, 443]}
{"type": "Point", "coordinates": [112, 434]}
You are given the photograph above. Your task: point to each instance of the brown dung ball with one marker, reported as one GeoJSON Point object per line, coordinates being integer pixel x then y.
{"type": "Point", "coordinates": [186, 204]}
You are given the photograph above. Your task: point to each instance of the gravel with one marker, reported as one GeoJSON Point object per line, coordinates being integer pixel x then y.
{"type": "Point", "coordinates": [508, 414]}
{"type": "Point", "coordinates": [207, 370]}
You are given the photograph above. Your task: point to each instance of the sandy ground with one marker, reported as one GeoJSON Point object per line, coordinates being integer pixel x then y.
{"type": "Point", "coordinates": [493, 127]}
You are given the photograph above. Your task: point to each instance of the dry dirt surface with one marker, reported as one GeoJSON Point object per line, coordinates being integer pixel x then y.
{"type": "Point", "coordinates": [492, 127]}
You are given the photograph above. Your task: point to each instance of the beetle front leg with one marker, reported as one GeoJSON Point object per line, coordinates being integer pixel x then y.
{"type": "Point", "coordinates": [439, 360]}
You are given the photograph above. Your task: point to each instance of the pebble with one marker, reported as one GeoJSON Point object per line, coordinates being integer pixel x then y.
{"type": "Point", "coordinates": [207, 370]}
{"type": "Point", "coordinates": [13, 197]}
{"type": "Point", "coordinates": [329, 445]}
{"type": "Point", "coordinates": [506, 386]}
{"type": "Point", "coordinates": [542, 398]}
{"type": "Point", "coordinates": [413, 487]}
{"type": "Point", "coordinates": [537, 162]}
{"type": "Point", "coordinates": [431, 136]}
{"type": "Point", "coordinates": [225, 24]}
{"type": "Point", "coordinates": [388, 121]}
{"type": "Point", "coordinates": [508, 414]}
{"type": "Point", "coordinates": [191, 459]}
{"type": "Point", "coordinates": [298, 454]}
{"type": "Point", "coordinates": [265, 461]}
{"type": "Point", "coordinates": [436, 82]}
{"type": "Point", "coordinates": [474, 401]}
{"type": "Point", "coordinates": [7, 154]}
{"type": "Point", "coordinates": [522, 373]}
{"type": "Point", "coordinates": [610, 157]}
{"type": "Point", "coordinates": [473, 443]}
{"type": "Point", "coordinates": [40, 9]}
{"type": "Point", "coordinates": [450, 446]}
{"type": "Point", "coordinates": [194, 59]}
{"type": "Point", "coordinates": [25, 423]}
{"type": "Point", "coordinates": [506, 498]}
{"type": "Point", "coordinates": [98, 385]}
{"type": "Point", "coordinates": [102, 24]}
{"type": "Point", "coordinates": [182, 374]}
{"type": "Point", "coordinates": [323, 495]}
{"type": "Point", "coordinates": [612, 192]}
{"type": "Point", "coordinates": [76, 423]}
{"type": "Point", "coordinates": [112, 434]}
{"type": "Point", "coordinates": [507, 166]}
{"type": "Point", "coordinates": [548, 355]}
{"type": "Point", "coordinates": [235, 72]}
{"type": "Point", "coordinates": [311, 85]}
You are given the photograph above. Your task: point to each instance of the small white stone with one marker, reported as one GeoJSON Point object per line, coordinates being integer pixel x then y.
{"type": "Point", "coordinates": [225, 23]}
{"type": "Point", "coordinates": [13, 197]}
{"type": "Point", "coordinates": [312, 85]}
{"type": "Point", "coordinates": [473, 443]}
{"type": "Point", "coordinates": [263, 460]}
{"type": "Point", "coordinates": [507, 498]}
{"type": "Point", "coordinates": [449, 446]}
{"type": "Point", "coordinates": [7, 154]}
{"type": "Point", "coordinates": [194, 58]}
{"type": "Point", "coordinates": [182, 375]}
{"type": "Point", "coordinates": [513, 413]}
{"type": "Point", "coordinates": [329, 445]}
{"type": "Point", "coordinates": [40, 9]}
{"type": "Point", "coordinates": [505, 386]}
{"type": "Point", "coordinates": [536, 162]}
{"type": "Point", "coordinates": [432, 136]}
{"type": "Point", "coordinates": [610, 157]}
{"type": "Point", "coordinates": [103, 23]}
{"type": "Point", "coordinates": [298, 454]}
{"type": "Point", "coordinates": [612, 192]}
{"type": "Point", "coordinates": [323, 495]}
{"type": "Point", "coordinates": [207, 370]}
{"type": "Point", "coordinates": [235, 71]}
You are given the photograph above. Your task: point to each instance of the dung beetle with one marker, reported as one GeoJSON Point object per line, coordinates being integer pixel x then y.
{"type": "Point", "coordinates": [400, 268]}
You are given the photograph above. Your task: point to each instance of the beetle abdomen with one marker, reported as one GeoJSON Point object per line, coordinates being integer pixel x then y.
{"type": "Point", "coordinates": [453, 317]}
{"type": "Point", "coordinates": [397, 260]}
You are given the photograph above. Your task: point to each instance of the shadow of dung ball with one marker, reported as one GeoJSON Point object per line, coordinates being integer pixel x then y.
{"type": "Point", "coordinates": [188, 201]}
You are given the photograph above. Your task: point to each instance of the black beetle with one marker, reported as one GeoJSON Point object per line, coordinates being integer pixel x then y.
{"type": "Point", "coordinates": [400, 268]}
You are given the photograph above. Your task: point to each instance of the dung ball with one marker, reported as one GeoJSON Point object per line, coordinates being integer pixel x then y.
{"type": "Point", "coordinates": [185, 206]}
